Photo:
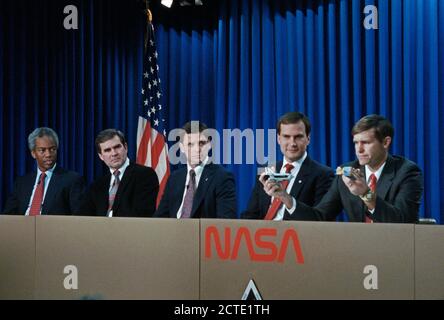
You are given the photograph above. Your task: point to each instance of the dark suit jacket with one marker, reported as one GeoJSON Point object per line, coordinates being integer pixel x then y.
{"type": "Point", "coordinates": [135, 197]}
{"type": "Point", "coordinates": [398, 190]}
{"type": "Point", "coordinates": [311, 184]}
{"type": "Point", "coordinates": [215, 196]}
{"type": "Point", "coordinates": [62, 197]}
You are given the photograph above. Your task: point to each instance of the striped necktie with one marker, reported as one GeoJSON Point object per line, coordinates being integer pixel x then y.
{"type": "Point", "coordinates": [189, 196]}
{"type": "Point", "coordinates": [372, 186]}
{"type": "Point", "coordinates": [113, 191]}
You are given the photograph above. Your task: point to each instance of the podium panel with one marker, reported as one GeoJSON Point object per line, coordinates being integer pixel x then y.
{"type": "Point", "coordinates": [429, 262]}
{"type": "Point", "coordinates": [117, 258]}
{"type": "Point", "coordinates": [307, 260]}
{"type": "Point", "coordinates": [17, 254]}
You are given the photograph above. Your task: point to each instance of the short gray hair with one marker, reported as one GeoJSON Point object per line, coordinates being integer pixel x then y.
{"type": "Point", "coordinates": [42, 132]}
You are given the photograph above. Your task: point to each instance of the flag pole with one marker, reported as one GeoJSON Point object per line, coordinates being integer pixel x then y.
{"type": "Point", "coordinates": [149, 19]}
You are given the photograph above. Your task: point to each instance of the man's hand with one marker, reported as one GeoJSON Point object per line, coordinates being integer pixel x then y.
{"type": "Point", "coordinates": [274, 189]}
{"type": "Point", "coordinates": [358, 186]}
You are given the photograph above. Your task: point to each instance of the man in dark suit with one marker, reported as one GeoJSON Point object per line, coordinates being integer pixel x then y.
{"type": "Point", "coordinates": [128, 189]}
{"type": "Point", "coordinates": [50, 190]}
{"type": "Point", "coordinates": [309, 179]}
{"type": "Point", "coordinates": [201, 189]}
{"type": "Point", "coordinates": [379, 188]}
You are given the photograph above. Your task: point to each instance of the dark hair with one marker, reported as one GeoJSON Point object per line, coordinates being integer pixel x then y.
{"type": "Point", "coordinates": [294, 117]}
{"type": "Point", "coordinates": [42, 132]}
{"type": "Point", "coordinates": [383, 127]}
{"type": "Point", "coordinates": [192, 126]}
{"type": "Point", "coordinates": [108, 134]}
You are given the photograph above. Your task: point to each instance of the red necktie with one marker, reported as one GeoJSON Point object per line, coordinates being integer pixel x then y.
{"type": "Point", "coordinates": [271, 213]}
{"type": "Point", "coordinates": [36, 203]}
{"type": "Point", "coordinates": [372, 186]}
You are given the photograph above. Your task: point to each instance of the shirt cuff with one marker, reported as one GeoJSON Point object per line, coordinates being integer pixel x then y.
{"type": "Point", "coordinates": [290, 211]}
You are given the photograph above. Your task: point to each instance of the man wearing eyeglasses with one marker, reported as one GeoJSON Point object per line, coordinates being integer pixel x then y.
{"type": "Point", "coordinates": [50, 189]}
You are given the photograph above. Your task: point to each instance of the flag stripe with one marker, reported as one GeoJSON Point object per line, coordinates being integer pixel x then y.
{"type": "Point", "coordinates": [144, 144]}
{"type": "Point", "coordinates": [163, 183]}
{"type": "Point", "coordinates": [156, 149]}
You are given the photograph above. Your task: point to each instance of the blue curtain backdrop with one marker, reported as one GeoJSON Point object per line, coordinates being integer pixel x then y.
{"type": "Point", "coordinates": [231, 64]}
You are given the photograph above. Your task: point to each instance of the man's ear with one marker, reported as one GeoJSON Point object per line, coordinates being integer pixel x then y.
{"type": "Point", "coordinates": [33, 154]}
{"type": "Point", "coordinates": [181, 147]}
{"type": "Point", "coordinates": [100, 156]}
{"type": "Point", "coordinates": [386, 142]}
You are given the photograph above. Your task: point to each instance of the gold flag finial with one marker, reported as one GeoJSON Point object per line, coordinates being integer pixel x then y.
{"type": "Point", "coordinates": [149, 15]}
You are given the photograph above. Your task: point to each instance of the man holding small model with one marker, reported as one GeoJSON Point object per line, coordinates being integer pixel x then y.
{"type": "Point", "coordinates": [377, 187]}
{"type": "Point", "coordinates": [296, 177]}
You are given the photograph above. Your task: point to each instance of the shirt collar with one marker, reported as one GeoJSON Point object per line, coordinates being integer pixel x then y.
{"type": "Point", "coordinates": [296, 164]}
{"type": "Point", "coordinates": [121, 169]}
{"type": "Point", "coordinates": [48, 172]}
{"type": "Point", "coordinates": [377, 173]}
{"type": "Point", "coordinates": [198, 169]}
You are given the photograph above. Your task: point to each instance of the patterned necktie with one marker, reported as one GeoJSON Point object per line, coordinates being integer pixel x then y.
{"type": "Point", "coordinates": [372, 186]}
{"type": "Point", "coordinates": [188, 201]}
{"type": "Point", "coordinates": [113, 191]}
{"type": "Point", "coordinates": [36, 204]}
{"type": "Point", "coordinates": [271, 213]}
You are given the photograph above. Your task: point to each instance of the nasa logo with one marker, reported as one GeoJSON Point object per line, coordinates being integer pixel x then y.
{"type": "Point", "coordinates": [276, 251]}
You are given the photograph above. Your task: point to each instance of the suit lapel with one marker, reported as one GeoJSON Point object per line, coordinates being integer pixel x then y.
{"type": "Point", "coordinates": [178, 191]}
{"type": "Point", "coordinates": [267, 198]}
{"type": "Point", "coordinates": [105, 186]}
{"type": "Point", "coordinates": [52, 189]}
{"type": "Point", "coordinates": [299, 181]}
{"type": "Point", "coordinates": [386, 179]}
{"type": "Point", "coordinates": [122, 186]}
{"type": "Point", "coordinates": [383, 184]}
{"type": "Point", "coordinates": [204, 182]}
{"type": "Point", "coordinates": [27, 191]}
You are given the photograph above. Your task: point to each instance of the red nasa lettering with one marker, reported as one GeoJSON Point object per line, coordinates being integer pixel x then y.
{"type": "Point", "coordinates": [263, 240]}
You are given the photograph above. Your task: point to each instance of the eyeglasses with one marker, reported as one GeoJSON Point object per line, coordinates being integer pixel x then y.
{"type": "Point", "coordinates": [43, 150]}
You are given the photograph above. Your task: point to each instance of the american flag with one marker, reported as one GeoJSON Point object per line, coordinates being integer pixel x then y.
{"type": "Point", "coordinates": [152, 149]}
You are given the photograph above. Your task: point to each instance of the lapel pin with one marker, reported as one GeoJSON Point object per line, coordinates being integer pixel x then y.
{"type": "Point", "coordinates": [300, 181]}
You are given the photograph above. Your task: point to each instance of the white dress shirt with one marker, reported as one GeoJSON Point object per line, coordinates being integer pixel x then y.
{"type": "Point", "coordinates": [294, 172]}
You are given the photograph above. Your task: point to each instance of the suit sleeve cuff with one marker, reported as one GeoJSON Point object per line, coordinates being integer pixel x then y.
{"type": "Point", "coordinates": [290, 211]}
